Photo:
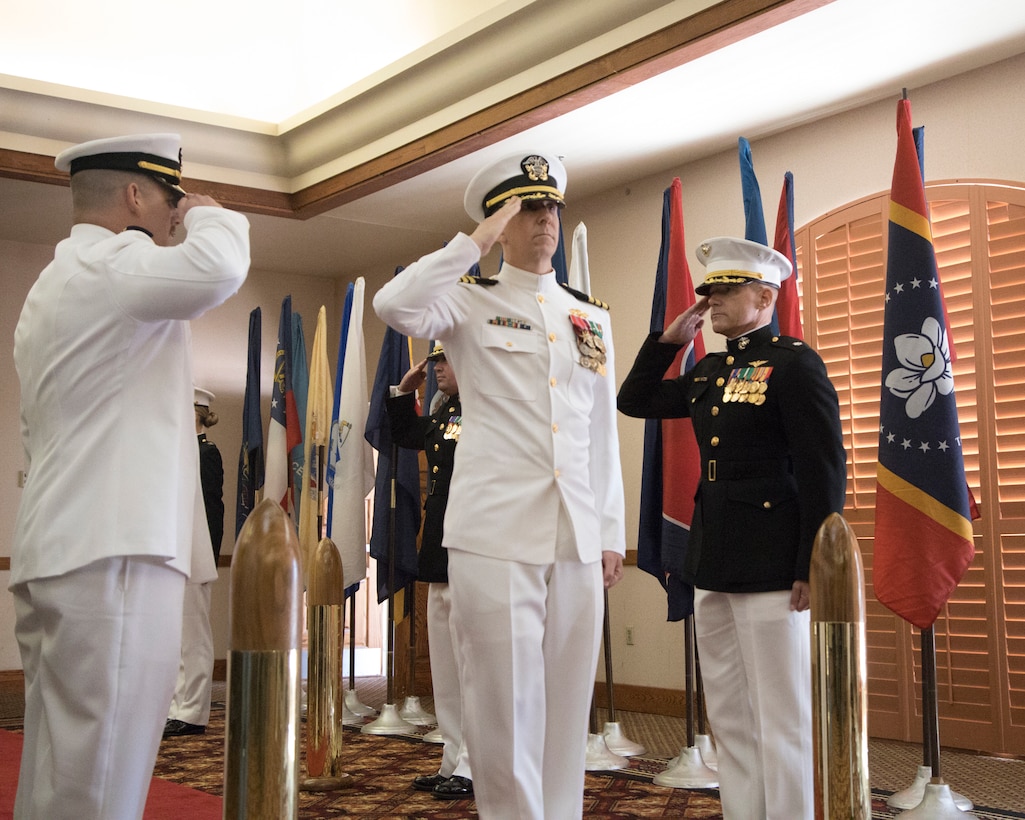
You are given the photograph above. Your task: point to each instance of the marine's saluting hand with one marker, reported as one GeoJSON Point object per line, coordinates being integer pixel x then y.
{"type": "Point", "coordinates": [686, 326]}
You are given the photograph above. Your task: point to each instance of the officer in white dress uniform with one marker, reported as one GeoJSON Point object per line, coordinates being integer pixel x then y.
{"type": "Point", "coordinates": [190, 707]}
{"type": "Point", "coordinates": [112, 510]}
{"type": "Point", "coordinates": [534, 524]}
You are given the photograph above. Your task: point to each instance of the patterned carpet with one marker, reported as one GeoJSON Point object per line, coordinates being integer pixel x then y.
{"type": "Point", "coordinates": [382, 768]}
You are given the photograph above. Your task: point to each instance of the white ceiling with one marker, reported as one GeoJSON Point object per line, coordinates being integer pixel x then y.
{"type": "Point", "coordinates": [842, 55]}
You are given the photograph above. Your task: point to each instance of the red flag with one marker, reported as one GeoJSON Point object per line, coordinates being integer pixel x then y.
{"type": "Point", "coordinates": [923, 535]}
{"type": "Point", "coordinates": [681, 460]}
{"type": "Point", "coordinates": [788, 305]}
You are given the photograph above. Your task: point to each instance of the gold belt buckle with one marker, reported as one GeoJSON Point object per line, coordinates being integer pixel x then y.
{"type": "Point", "coordinates": [711, 469]}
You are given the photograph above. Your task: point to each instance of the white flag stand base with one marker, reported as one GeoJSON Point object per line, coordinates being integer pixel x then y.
{"type": "Point", "coordinates": [688, 772]}
{"type": "Point", "coordinates": [433, 736]}
{"type": "Point", "coordinates": [600, 758]}
{"type": "Point", "coordinates": [352, 702]}
{"type": "Point", "coordinates": [414, 712]}
{"type": "Point", "coordinates": [912, 796]}
{"type": "Point", "coordinates": [389, 723]}
{"type": "Point", "coordinates": [618, 743]}
{"type": "Point", "coordinates": [349, 718]}
{"type": "Point", "coordinates": [937, 804]}
{"type": "Point", "coordinates": [707, 749]}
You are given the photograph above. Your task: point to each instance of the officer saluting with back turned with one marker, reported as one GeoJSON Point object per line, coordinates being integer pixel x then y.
{"type": "Point", "coordinates": [99, 566]}
{"type": "Point", "coordinates": [773, 467]}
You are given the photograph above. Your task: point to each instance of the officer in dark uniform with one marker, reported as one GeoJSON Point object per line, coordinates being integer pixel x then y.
{"type": "Point", "coordinates": [773, 467]}
{"type": "Point", "coordinates": [437, 434]}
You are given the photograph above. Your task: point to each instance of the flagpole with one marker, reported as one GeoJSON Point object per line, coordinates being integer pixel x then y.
{"type": "Point", "coordinates": [392, 502]}
{"type": "Point", "coordinates": [411, 708]}
{"type": "Point", "coordinates": [929, 795]}
{"type": "Point", "coordinates": [390, 721]}
{"type": "Point", "coordinates": [702, 739]}
{"type": "Point", "coordinates": [613, 732]}
{"type": "Point", "coordinates": [600, 756]}
{"type": "Point", "coordinates": [353, 705]}
{"type": "Point", "coordinates": [930, 708]}
{"type": "Point", "coordinates": [688, 770]}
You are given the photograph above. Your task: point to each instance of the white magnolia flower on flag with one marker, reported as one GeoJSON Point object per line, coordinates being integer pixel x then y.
{"type": "Point", "coordinates": [926, 371]}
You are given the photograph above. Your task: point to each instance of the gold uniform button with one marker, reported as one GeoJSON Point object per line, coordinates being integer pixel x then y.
{"type": "Point", "coordinates": [437, 447]}
{"type": "Point", "coordinates": [435, 469]}
{"type": "Point", "coordinates": [557, 473]}
{"type": "Point", "coordinates": [730, 360]}
{"type": "Point", "coordinates": [541, 298]}
{"type": "Point", "coordinates": [553, 381]}
{"type": "Point", "coordinates": [720, 382]}
{"type": "Point", "coordinates": [508, 344]}
{"type": "Point", "coordinates": [715, 410]}
{"type": "Point", "coordinates": [555, 428]}
{"type": "Point", "coordinates": [767, 504]}
{"type": "Point", "coordinates": [551, 337]}
{"type": "Point", "coordinates": [715, 441]}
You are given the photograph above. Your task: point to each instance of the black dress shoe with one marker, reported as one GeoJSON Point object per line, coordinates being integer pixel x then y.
{"type": "Point", "coordinates": [455, 788]}
{"type": "Point", "coordinates": [428, 782]}
{"type": "Point", "coordinates": [177, 728]}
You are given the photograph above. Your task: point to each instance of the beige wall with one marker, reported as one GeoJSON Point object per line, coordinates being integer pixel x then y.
{"type": "Point", "coordinates": [971, 132]}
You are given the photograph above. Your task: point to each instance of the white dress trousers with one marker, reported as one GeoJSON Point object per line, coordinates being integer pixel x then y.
{"type": "Point", "coordinates": [91, 756]}
{"type": "Point", "coordinates": [191, 701]}
{"type": "Point", "coordinates": [756, 670]}
{"type": "Point", "coordinates": [446, 681]}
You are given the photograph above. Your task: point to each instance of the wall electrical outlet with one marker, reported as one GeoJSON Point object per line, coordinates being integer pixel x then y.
{"type": "Point", "coordinates": [629, 636]}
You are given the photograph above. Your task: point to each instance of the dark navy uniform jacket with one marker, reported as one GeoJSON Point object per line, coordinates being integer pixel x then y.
{"type": "Point", "coordinates": [437, 435]}
{"type": "Point", "coordinates": [773, 465]}
{"type": "Point", "coordinates": [211, 475]}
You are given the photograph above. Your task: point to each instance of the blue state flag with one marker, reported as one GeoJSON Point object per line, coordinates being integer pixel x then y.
{"type": "Point", "coordinates": [923, 530]}
{"type": "Point", "coordinates": [250, 457]}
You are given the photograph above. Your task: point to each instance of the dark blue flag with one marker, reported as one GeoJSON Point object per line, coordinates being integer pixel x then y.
{"type": "Point", "coordinates": [559, 258]}
{"type": "Point", "coordinates": [250, 457]}
{"type": "Point", "coordinates": [404, 465]}
{"type": "Point", "coordinates": [754, 215]}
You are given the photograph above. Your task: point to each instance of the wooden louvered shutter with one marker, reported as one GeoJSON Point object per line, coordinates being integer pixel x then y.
{"type": "Point", "coordinates": [979, 234]}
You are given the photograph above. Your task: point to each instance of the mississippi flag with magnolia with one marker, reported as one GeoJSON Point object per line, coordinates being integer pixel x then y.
{"type": "Point", "coordinates": [923, 534]}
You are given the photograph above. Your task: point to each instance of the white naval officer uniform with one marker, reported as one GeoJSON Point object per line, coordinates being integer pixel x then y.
{"type": "Point", "coordinates": [111, 520]}
{"type": "Point", "coordinates": [536, 496]}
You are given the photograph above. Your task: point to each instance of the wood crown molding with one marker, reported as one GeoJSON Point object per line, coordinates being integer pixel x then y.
{"type": "Point", "coordinates": [699, 34]}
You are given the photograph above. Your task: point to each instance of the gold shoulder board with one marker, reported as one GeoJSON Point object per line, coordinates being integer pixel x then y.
{"type": "Point", "coordinates": [584, 297]}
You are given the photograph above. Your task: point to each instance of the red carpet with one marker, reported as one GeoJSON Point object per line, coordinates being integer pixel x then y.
{"type": "Point", "coordinates": [166, 800]}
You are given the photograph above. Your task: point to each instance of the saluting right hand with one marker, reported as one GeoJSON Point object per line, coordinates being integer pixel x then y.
{"type": "Point", "coordinates": [490, 230]}
{"type": "Point", "coordinates": [190, 201]}
{"type": "Point", "coordinates": [685, 327]}
{"type": "Point", "coordinates": [415, 376]}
